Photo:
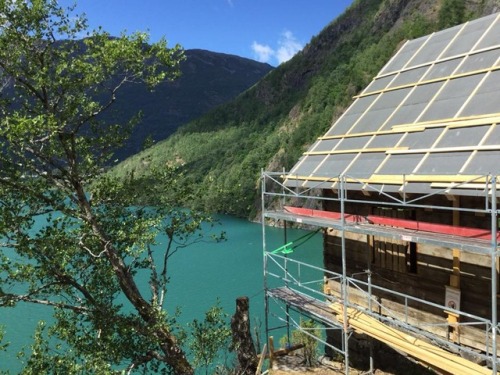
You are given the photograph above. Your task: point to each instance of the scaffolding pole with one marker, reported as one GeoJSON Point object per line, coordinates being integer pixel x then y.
{"type": "Point", "coordinates": [494, 243]}
{"type": "Point", "coordinates": [344, 276]}
{"type": "Point", "coordinates": [343, 225]}
{"type": "Point", "coordinates": [264, 255]}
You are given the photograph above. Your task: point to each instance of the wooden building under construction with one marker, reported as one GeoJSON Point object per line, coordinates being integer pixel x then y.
{"type": "Point", "coordinates": [404, 186]}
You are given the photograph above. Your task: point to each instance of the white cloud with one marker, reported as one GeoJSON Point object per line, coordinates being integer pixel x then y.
{"type": "Point", "coordinates": [288, 46]}
{"type": "Point", "coordinates": [230, 3]}
{"type": "Point", "coordinates": [263, 53]}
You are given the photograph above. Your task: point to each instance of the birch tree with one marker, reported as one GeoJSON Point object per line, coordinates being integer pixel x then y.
{"type": "Point", "coordinates": [57, 135]}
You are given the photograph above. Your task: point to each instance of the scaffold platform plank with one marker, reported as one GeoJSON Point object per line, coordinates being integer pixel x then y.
{"type": "Point", "coordinates": [306, 304]}
{"type": "Point", "coordinates": [445, 240]}
{"type": "Point", "coordinates": [415, 225]}
{"type": "Point", "coordinates": [332, 314]}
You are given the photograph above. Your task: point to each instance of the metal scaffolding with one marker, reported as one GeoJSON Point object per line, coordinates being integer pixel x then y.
{"type": "Point", "coordinates": [291, 285]}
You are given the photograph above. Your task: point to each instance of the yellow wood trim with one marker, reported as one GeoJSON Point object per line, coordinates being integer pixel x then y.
{"type": "Point", "coordinates": [422, 46]}
{"type": "Point", "coordinates": [333, 180]}
{"type": "Point", "coordinates": [486, 32]}
{"type": "Point", "coordinates": [473, 93]}
{"type": "Point", "coordinates": [443, 181]}
{"type": "Point", "coordinates": [455, 278]}
{"type": "Point", "coordinates": [428, 82]}
{"type": "Point", "coordinates": [397, 108]}
{"type": "Point", "coordinates": [443, 149]}
{"type": "Point", "coordinates": [486, 136]}
{"type": "Point", "coordinates": [450, 122]}
{"type": "Point", "coordinates": [450, 42]}
{"type": "Point", "coordinates": [427, 178]}
{"type": "Point", "coordinates": [396, 55]}
{"type": "Point", "coordinates": [367, 134]}
{"type": "Point", "coordinates": [473, 186]}
{"type": "Point", "coordinates": [487, 120]}
{"type": "Point", "coordinates": [402, 341]}
{"type": "Point", "coordinates": [311, 178]}
{"type": "Point", "coordinates": [431, 101]}
{"type": "Point", "coordinates": [438, 61]}
{"type": "Point", "coordinates": [357, 150]}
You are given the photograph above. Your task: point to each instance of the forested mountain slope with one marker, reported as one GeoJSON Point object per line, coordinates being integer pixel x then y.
{"type": "Point", "coordinates": [219, 156]}
{"type": "Point", "coordinates": [208, 79]}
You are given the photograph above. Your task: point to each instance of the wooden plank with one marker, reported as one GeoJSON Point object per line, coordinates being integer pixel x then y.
{"type": "Point", "coordinates": [441, 149]}
{"type": "Point", "coordinates": [359, 150]}
{"type": "Point", "coordinates": [447, 58]}
{"type": "Point", "coordinates": [417, 225]}
{"type": "Point", "coordinates": [285, 351]}
{"type": "Point", "coordinates": [271, 351]}
{"type": "Point", "coordinates": [399, 179]}
{"type": "Point", "coordinates": [364, 134]}
{"type": "Point", "coordinates": [417, 348]}
{"type": "Point", "coordinates": [451, 122]}
{"type": "Point", "coordinates": [428, 81]}
{"type": "Point", "coordinates": [302, 302]}
{"type": "Point", "coordinates": [261, 360]}
{"type": "Point", "coordinates": [473, 336]}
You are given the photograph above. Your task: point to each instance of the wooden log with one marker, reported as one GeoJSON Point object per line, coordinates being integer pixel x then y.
{"type": "Point", "coordinates": [271, 351]}
{"type": "Point", "coordinates": [285, 351]}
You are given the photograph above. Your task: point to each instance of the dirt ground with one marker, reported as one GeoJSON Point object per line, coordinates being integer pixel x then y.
{"type": "Point", "coordinates": [294, 364]}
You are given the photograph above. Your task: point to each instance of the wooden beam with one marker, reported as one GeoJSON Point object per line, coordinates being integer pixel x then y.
{"type": "Point", "coordinates": [400, 151]}
{"type": "Point", "coordinates": [417, 348]}
{"type": "Point", "coordinates": [453, 181]}
{"type": "Point", "coordinates": [360, 150]}
{"type": "Point", "coordinates": [271, 351]}
{"type": "Point", "coordinates": [455, 281]}
{"type": "Point", "coordinates": [399, 179]}
{"type": "Point", "coordinates": [261, 360]}
{"type": "Point", "coordinates": [429, 81]}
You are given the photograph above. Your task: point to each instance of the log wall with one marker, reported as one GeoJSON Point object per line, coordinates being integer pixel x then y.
{"type": "Point", "coordinates": [417, 270]}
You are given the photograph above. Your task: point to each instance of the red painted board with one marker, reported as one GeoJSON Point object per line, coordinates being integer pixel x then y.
{"type": "Point", "coordinates": [394, 222]}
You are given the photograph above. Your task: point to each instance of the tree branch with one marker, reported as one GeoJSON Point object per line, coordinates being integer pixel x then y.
{"type": "Point", "coordinates": [7, 299]}
{"type": "Point", "coordinates": [154, 280]}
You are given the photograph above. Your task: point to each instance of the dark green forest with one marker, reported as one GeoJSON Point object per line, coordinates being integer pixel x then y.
{"type": "Point", "coordinates": [218, 157]}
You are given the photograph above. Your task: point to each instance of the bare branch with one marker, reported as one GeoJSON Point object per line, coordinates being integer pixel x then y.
{"type": "Point", "coordinates": [80, 242]}
{"type": "Point", "coordinates": [154, 280]}
{"type": "Point", "coordinates": [7, 299]}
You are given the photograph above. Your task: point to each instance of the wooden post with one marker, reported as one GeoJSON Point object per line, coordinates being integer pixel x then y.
{"type": "Point", "coordinates": [453, 319]}
{"type": "Point", "coordinates": [261, 360]}
{"type": "Point", "coordinates": [271, 351]}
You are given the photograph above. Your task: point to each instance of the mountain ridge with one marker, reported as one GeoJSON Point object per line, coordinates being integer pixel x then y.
{"type": "Point", "coordinates": [208, 80]}
{"type": "Point", "coordinates": [219, 156]}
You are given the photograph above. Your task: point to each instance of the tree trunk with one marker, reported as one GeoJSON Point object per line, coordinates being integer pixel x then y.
{"type": "Point", "coordinates": [174, 355]}
{"type": "Point", "coordinates": [242, 338]}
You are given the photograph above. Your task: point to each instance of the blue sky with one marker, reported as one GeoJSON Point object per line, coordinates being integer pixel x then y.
{"type": "Point", "coordinates": [269, 31]}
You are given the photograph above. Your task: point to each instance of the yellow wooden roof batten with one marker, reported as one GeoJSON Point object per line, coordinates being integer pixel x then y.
{"type": "Point", "coordinates": [357, 150]}
{"type": "Point", "coordinates": [428, 82]}
{"type": "Point", "coordinates": [397, 179]}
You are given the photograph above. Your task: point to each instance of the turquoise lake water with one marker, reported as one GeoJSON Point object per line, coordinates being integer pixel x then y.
{"type": "Point", "coordinates": [199, 275]}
